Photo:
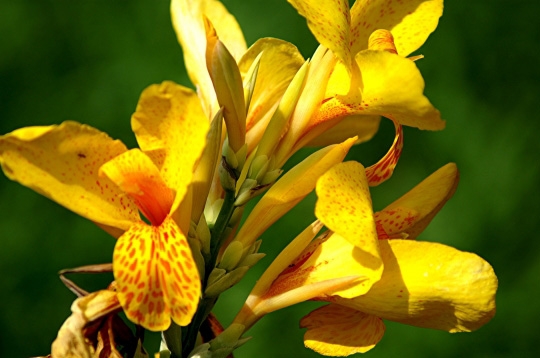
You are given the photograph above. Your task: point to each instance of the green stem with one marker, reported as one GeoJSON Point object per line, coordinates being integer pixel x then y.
{"type": "Point", "coordinates": [173, 338]}
{"type": "Point", "coordinates": [206, 304]}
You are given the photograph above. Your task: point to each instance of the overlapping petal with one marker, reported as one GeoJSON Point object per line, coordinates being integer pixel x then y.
{"type": "Point", "coordinates": [170, 123]}
{"type": "Point", "coordinates": [411, 22]}
{"type": "Point", "coordinates": [156, 275]}
{"type": "Point", "coordinates": [279, 63]}
{"type": "Point", "coordinates": [62, 162]}
{"type": "Point", "coordinates": [430, 285]}
{"type": "Point", "coordinates": [392, 86]}
{"type": "Point", "coordinates": [328, 258]}
{"type": "Point", "coordinates": [138, 177]}
{"type": "Point", "coordinates": [290, 189]}
{"type": "Point", "coordinates": [344, 205]}
{"type": "Point", "coordinates": [329, 21]}
{"type": "Point", "coordinates": [335, 330]}
{"type": "Point", "coordinates": [188, 21]}
{"type": "Point", "coordinates": [363, 127]}
{"type": "Point", "coordinates": [411, 213]}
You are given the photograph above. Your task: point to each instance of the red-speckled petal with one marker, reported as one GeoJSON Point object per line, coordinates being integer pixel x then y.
{"type": "Point", "coordinates": [169, 120]}
{"type": "Point", "coordinates": [335, 330]}
{"type": "Point", "coordinates": [344, 205]}
{"type": "Point", "coordinates": [329, 21]}
{"type": "Point", "coordinates": [419, 206]}
{"type": "Point", "coordinates": [392, 222]}
{"type": "Point", "coordinates": [156, 276]}
{"type": "Point", "coordinates": [383, 169]}
{"type": "Point", "coordinates": [327, 258]}
{"type": "Point", "coordinates": [411, 22]}
{"type": "Point", "coordinates": [430, 285]}
{"type": "Point", "coordinates": [137, 176]}
{"type": "Point", "coordinates": [62, 162]}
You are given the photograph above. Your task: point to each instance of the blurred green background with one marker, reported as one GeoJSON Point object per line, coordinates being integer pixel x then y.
{"type": "Point", "coordinates": [89, 60]}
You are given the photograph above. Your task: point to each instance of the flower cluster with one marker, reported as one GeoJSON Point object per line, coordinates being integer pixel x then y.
{"type": "Point", "coordinates": [174, 204]}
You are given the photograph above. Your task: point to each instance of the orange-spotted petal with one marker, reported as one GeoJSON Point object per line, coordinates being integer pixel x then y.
{"type": "Point", "coordinates": [327, 258]}
{"type": "Point", "coordinates": [414, 211]}
{"type": "Point", "coordinates": [62, 162]}
{"type": "Point", "coordinates": [430, 285]}
{"type": "Point", "coordinates": [169, 121]}
{"type": "Point", "coordinates": [334, 330]}
{"type": "Point", "coordinates": [383, 169]}
{"type": "Point", "coordinates": [329, 21]}
{"type": "Point", "coordinates": [411, 22]}
{"type": "Point", "coordinates": [156, 276]}
{"type": "Point", "coordinates": [393, 222]}
{"type": "Point", "coordinates": [138, 177]}
{"type": "Point", "coordinates": [344, 205]}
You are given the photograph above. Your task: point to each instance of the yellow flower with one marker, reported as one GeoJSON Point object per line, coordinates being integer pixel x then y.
{"type": "Point", "coordinates": [98, 178]}
{"type": "Point", "coordinates": [418, 283]}
{"type": "Point", "coordinates": [364, 75]}
{"type": "Point", "coordinates": [279, 62]}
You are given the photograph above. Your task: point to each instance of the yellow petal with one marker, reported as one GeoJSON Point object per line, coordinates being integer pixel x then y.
{"type": "Point", "coordinates": [139, 178]}
{"type": "Point", "coordinates": [156, 276]}
{"type": "Point", "coordinates": [392, 87]}
{"type": "Point", "coordinates": [169, 120]}
{"type": "Point", "coordinates": [411, 22]}
{"type": "Point", "coordinates": [344, 206]}
{"type": "Point", "coordinates": [392, 223]}
{"type": "Point", "coordinates": [415, 210]}
{"type": "Point", "coordinates": [327, 258]}
{"type": "Point", "coordinates": [430, 285]}
{"type": "Point", "coordinates": [62, 163]}
{"type": "Point", "coordinates": [363, 127]}
{"type": "Point", "coordinates": [383, 169]}
{"type": "Point", "coordinates": [329, 21]}
{"type": "Point", "coordinates": [279, 63]}
{"type": "Point", "coordinates": [188, 21]}
{"type": "Point", "coordinates": [335, 330]}
{"type": "Point", "coordinates": [289, 190]}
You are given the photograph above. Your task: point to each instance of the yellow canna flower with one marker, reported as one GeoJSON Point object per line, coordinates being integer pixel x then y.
{"type": "Point", "coordinates": [418, 283]}
{"type": "Point", "coordinates": [364, 75]}
{"type": "Point", "coordinates": [98, 178]}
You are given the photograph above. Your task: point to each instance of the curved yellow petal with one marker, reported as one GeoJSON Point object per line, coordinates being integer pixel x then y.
{"type": "Point", "coordinates": [329, 21]}
{"type": "Point", "coordinates": [334, 330]}
{"type": "Point", "coordinates": [430, 285]}
{"type": "Point", "coordinates": [62, 162]}
{"type": "Point", "coordinates": [327, 258]}
{"type": "Point", "coordinates": [363, 127]}
{"type": "Point", "coordinates": [169, 120]}
{"type": "Point", "coordinates": [392, 87]}
{"type": "Point", "coordinates": [424, 200]}
{"type": "Point", "coordinates": [188, 21]}
{"type": "Point", "coordinates": [279, 63]}
{"type": "Point", "coordinates": [156, 276]}
{"type": "Point", "coordinates": [289, 190]}
{"type": "Point", "coordinates": [138, 177]}
{"type": "Point", "coordinates": [411, 22]}
{"type": "Point", "coordinates": [344, 206]}
{"type": "Point", "coordinates": [383, 169]}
